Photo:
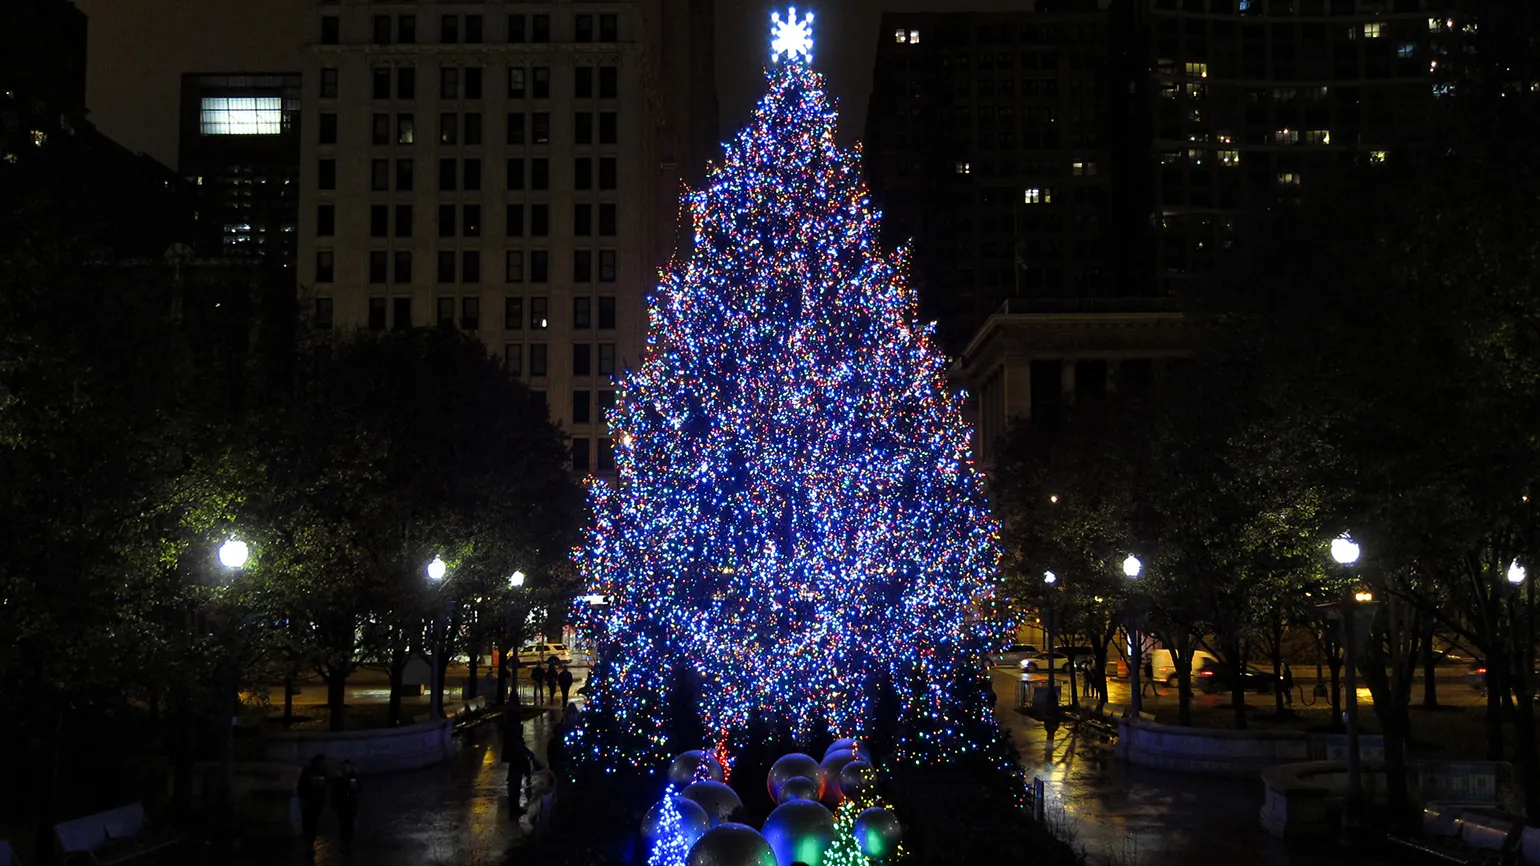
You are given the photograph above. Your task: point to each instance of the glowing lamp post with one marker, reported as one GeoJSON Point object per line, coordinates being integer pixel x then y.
{"type": "Point", "coordinates": [1516, 573]}
{"type": "Point", "coordinates": [1132, 568]}
{"type": "Point", "coordinates": [232, 555]}
{"type": "Point", "coordinates": [1344, 550]}
{"type": "Point", "coordinates": [437, 570]}
{"type": "Point", "coordinates": [1051, 716]}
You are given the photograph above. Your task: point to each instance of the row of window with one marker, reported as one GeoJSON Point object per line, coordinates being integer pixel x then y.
{"type": "Point", "coordinates": [457, 82]}
{"type": "Point", "coordinates": [465, 267]}
{"type": "Point", "coordinates": [513, 320]}
{"type": "Point", "coordinates": [471, 29]}
{"type": "Point", "coordinates": [606, 458]}
{"type": "Point", "coordinates": [454, 175]}
{"type": "Point", "coordinates": [467, 128]}
{"type": "Point", "coordinates": [465, 220]}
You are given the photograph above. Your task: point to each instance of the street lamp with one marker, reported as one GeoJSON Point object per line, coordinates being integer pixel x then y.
{"type": "Point", "coordinates": [516, 580]}
{"type": "Point", "coordinates": [1516, 573]}
{"type": "Point", "coordinates": [232, 555]}
{"type": "Point", "coordinates": [1131, 569]}
{"type": "Point", "coordinates": [1345, 551]}
{"type": "Point", "coordinates": [1051, 722]}
{"type": "Point", "coordinates": [437, 569]}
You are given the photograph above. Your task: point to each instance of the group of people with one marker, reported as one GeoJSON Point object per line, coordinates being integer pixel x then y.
{"type": "Point", "coordinates": [315, 783]}
{"type": "Point", "coordinates": [552, 677]}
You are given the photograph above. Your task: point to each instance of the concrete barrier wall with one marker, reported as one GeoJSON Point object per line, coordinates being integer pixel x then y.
{"type": "Point", "coordinates": [1305, 800]}
{"type": "Point", "coordinates": [1205, 750]}
{"type": "Point", "coordinates": [386, 750]}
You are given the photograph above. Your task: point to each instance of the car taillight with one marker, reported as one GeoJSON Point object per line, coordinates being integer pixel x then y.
{"type": "Point", "coordinates": [1205, 673]}
{"type": "Point", "coordinates": [1480, 670]}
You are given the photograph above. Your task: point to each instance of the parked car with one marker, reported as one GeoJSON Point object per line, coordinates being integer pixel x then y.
{"type": "Point", "coordinates": [1476, 675]}
{"type": "Point", "coordinates": [1214, 678]}
{"type": "Point", "coordinates": [1165, 667]}
{"type": "Point", "coordinates": [540, 653]}
{"type": "Point", "coordinates": [1013, 655]}
{"type": "Point", "coordinates": [1040, 662]}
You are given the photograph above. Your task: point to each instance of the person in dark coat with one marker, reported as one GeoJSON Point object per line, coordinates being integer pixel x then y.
{"type": "Point", "coordinates": [1287, 684]}
{"type": "Point", "coordinates": [550, 677]}
{"type": "Point", "coordinates": [537, 676]}
{"type": "Point", "coordinates": [522, 764]}
{"type": "Point", "coordinates": [564, 679]}
{"type": "Point", "coordinates": [345, 792]}
{"type": "Point", "coordinates": [312, 797]}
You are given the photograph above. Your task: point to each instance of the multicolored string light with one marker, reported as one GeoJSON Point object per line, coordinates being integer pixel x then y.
{"type": "Point", "coordinates": [671, 847]}
{"type": "Point", "coordinates": [797, 515]}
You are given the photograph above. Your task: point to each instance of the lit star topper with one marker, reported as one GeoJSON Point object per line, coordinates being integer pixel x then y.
{"type": "Point", "coordinates": [791, 38]}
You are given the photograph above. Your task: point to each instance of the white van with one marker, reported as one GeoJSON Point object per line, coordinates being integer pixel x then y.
{"type": "Point", "coordinates": [1164, 667]}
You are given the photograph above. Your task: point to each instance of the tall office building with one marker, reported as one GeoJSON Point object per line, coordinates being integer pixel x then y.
{"type": "Point", "coordinates": [512, 173]}
{"type": "Point", "coordinates": [240, 144]}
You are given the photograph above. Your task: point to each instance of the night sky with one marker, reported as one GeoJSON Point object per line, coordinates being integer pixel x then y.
{"type": "Point", "coordinates": [140, 48]}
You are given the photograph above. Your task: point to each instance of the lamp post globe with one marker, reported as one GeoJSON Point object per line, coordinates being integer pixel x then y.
{"type": "Point", "coordinates": [1050, 578]}
{"type": "Point", "coordinates": [516, 579]}
{"type": "Point", "coordinates": [1344, 550]}
{"type": "Point", "coordinates": [1516, 573]}
{"type": "Point", "coordinates": [437, 569]}
{"type": "Point", "coordinates": [233, 553]}
{"type": "Point", "coordinates": [1132, 566]}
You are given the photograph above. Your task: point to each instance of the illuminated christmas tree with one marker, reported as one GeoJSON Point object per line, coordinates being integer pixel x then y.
{"type": "Point", "coordinates": [797, 524]}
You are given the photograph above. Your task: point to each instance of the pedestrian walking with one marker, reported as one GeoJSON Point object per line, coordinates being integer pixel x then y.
{"type": "Point", "coordinates": [345, 793]}
{"type": "Point", "coordinates": [1149, 677]}
{"type": "Point", "coordinates": [312, 798]}
{"type": "Point", "coordinates": [537, 676]}
{"type": "Point", "coordinates": [550, 677]}
{"type": "Point", "coordinates": [564, 679]}
{"type": "Point", "coordinates": [1286, 682]}
{"type": "Point", "coordinates": [522, 764]}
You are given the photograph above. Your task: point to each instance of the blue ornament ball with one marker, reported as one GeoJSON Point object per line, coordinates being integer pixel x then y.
{"type": "Point", "coordinates": [800, 788]}
{"type": "Point", "coordinates": [693, 822]}
{"type": "Point", "coordinates": [790, 767]}
{"type": "Point", "coordinates": [686, 765]}
{"type": "Point", "coordinates": [848, 744]}
{"type": "Point", "coordinates": [731, 845]}
{"type": "Point", "coordinates": [832, 766]}
{"type": "Point", "coordinates": [719, 801]}
{"type": "Point", "coordinates": [799, 832]}
{"type": "Point", "coordinates": [877, 832]}
{"type": "Point", "coordinates": [856, 775]}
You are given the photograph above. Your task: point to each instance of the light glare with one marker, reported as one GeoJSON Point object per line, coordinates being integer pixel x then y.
{"type": "Point", "coordinates": [233, 553]}
{"type": "Point", "coordinates": [1344, 550]}
{"type": "Point", "coordinates": [437, 569]}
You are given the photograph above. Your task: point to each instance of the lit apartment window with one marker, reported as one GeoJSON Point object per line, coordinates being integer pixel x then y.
{"type": "Point", "coordinates": [1037, 195]}
{"type": "Point", "coordinates": [1288, 178]}
{"type": "Point", "coordinates": [1406, 49]}
{"type": "Point", "coordinates": [1377, 156]}
{"type": "Point", "coordinates": [1435, 25]}
{"type": "Point", "coordinates": [1373, 30]}
{"type": "Point", "coordinates": [1286, 136]}
{"type": "Point", "coordinates": [963, 167]}
{"type": "Point", "coordinates": [537, 314]}
{"type": "Point", "coordinates": [914, 37]}
{"type": "Point", "coordinates": [1229, 158]}
{"type": "Point", "coordinates": [1318, 136]}
{"type": "Point", "coordinates": [1198, 69]}
{"type": "Point", "coordinates": [39, 138]}
{"type": "Point", "coordinates": [405, 129]}
{"type": "Point", "coordinates": [901, 36]}
{"type": "Point", "coordinates": [1082, 169]}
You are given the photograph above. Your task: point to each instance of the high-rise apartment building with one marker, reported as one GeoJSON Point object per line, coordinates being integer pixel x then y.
{"type": "Point", "coordinates": [240, 144]}
{"type": "Point", "coordinates": [509, 170]}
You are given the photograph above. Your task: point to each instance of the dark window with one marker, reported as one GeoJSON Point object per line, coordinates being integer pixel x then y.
{"type": "Point", "coordinates": [401, 312]}
{"type": "Point", "coordinates": [583, 173]}
{"type": "Point", "coordinates": [542, 82]}
{"type": "Point", "coordinates": [539, 220]}
{"type": "Point", "coordinates": [582, 268]}
{"type": "Point", "coordinates": [473, 82]}
{"type": "Point", "coordinates": [449, 29]}
{"type": "Point", "coordinates": [448, 128]}
{"type": "Point", "coordinates": [379, 134]}
{"type": "Point", "coordinates": [582, 128]}
{"type": "Point", "coordinates": [583, 28]}
{"type": "Point", "coordinates": [581, 399]}
{"type": "Point", "coordinates": [579, 449]}
{"type": "Point", "coordinates": [325, 220]}
{"type": "Point", "coordinates": [470, 221]}
{"type": "Point", "coordinates": [406, 82]}
{"type": "Point", "coordinates": [515, 28]}
{"type": "Point", "coordinates": [609, 82]}
{"type": "Point", "coordinates": [472, 175]}
{"type": "Point", "coordinates": [583, 82]}
{"type": "Point", "coordinates": [382, 30]}
{"type": "Point", "coordinates": [406, 129]}
{"type": "Point", "coordinates": [582, 220]}
{"type": "Point", "coordinates": [331, 30]}
{"type": "Point", "coordinates": [540, 127]}
{"type": "Point", "coordinates": [515, 127]}
{"type": "Point", "coordinates": [540, 28]}
{"type": "Point", "coordinates": [403, 220]}
{"type": "Point", "coordinates": [473, 128]}
{"type": "Point", "coordinates": [513, 359]}
{"type": "Point", "coordinates": [326, 174]}
{"type": "Point", "coordinates": [609, 28]}
{"type": "Point", "coordinates": [446, 175]}
{"type": "Point", "coordinates": [606, 401]}
{"type": "Point", "coordinates": [514, 220]}
{"type": "Point", "coordinates": [607, 126]}
{"type": "Point", "coordinates": [380, 83]}
{"type": "Point", "coordinates": [379, 221]}
{"type": "Point", "coordinates": [406, 29]}
{"type": "Point", "coordinates": [606, 461]}
{"type": "Point", "coordinates": [449, 82]}
{"type": "Point", "coordinates": [607, 314]}
{"type": "Point", "coordinates": [537, 359]}
{"type": "Point", "coordinates": [378, 259]}
{"type": "Point", "coordinates": [377, 311]}
{"type": "Point", "coordinates": [537, 314]}
{"type": "Point", "coordinates": [606, 359]}
{"type": "Point", "coordinates": [516, 76]}
{"type": "Point", "coordinates": [404, 175]}
{"type": "Point", "coordinates": [607, 220]}
{"type": "Point", "coordinates": [607, 172]}
{"type": "Point", "coordinates": [582, 360]}
{"type": "Point", "coordinates": [379, 175]}
{"type": "Point", "coordinates": [540, 173]}
{"type": "Point", "coordinates": [403, 273]}
{"type": "Point", "coordinates": [606, 266]}
{"type": "Point", "coordinates": [473, 29]}
{"type": "Point", "coordinates": [328, 130]}
{"type": "Point", "coordinates": [325, 266]}
{"type": "Point", "coordinates": [515, 266]}
{"type": "Point", "coordinates": [446, 312]}
{"type": "Point", "coordinates": [515, 169]}
{"type": "Point", "coordinates": [470, 313]}
{"type": "Point", "coordinates": [513, 314]}
{"type": "Point", "coordinates": [446, 220]}
{"type": "Point", "coordinates": [582, 313]}
{"type": "Point", "coordinates": [329, 83]}
{"type": "Point", "coordinates": [446, 266]}
{"type": "Point", "coordinates": [323, 314]}
{"type": "Point", "coordinates": [539, 266]}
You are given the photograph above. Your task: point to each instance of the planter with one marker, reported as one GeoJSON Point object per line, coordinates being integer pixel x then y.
{"type": "Point", "coordinates": [385, 750]}
{"type": "Point", "coordinates": [1207, 750]}
{"type": "Point", "coordinates": [1304, 800]}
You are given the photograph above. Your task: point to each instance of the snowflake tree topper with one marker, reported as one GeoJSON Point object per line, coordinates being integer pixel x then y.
{"type": "Point", "coordinates": [791, 38]}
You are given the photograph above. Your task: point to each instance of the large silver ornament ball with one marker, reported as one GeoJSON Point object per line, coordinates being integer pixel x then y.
{"type": "Point", "coordinates": [877, 832]}
{"type": "Point", "coordinates": [848, 744]}
{"type": "Point", "coordinates": [693, 821]}
{"type": "Point", "coordinates": [799, 832]}
{"type": "Point", "coordinates": [731, 845]}
{"type": "Point", "coordinates": [790, 767]}
{"type": "Point", "coordinates": [717, 799]}
{"type": "Point", "coordinates": [856, 775]}
{"type": "Point", "coordinates": [800, 788]}
{"type": "Point", "coordinates": [684, 767]}
{"type": "Point", "coordinates": [832, 766]}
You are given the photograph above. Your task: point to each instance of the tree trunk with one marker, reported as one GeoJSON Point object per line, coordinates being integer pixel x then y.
{"type": "Point", "coordinates": [1397, 727]}
{"type": "Point", "coordinates": [1181, 659]}
{"type": "Point", "coordinates": [336, 696]}
{"type": "Point", "coordinates": [1334, 660]}
{"type": "Point", "coordinates": [502, 674]}
{"type": "Point", "coordinates": [1524, 752]}
{"type": "Point", "coordinates": [1237, 685]}
{"type": "Point", "coordinates": [443, 669]}
{"type": "Point", "coordinates": [1277, 654]}
{"type": "Point", "coordinates": [1495, 688]}
{"type": "Point", "coordinates": [396, 672]}
{"type": "Point", "coordinates": [1429, 670]}
{"type": "Point", "coordinates": [472, 687]}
